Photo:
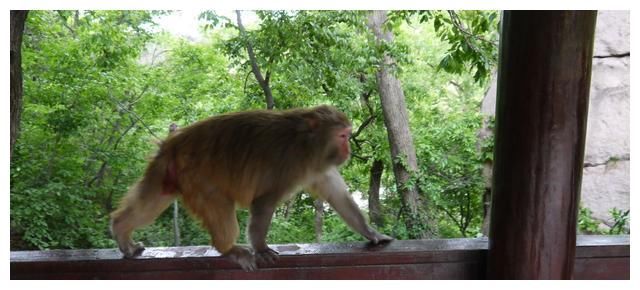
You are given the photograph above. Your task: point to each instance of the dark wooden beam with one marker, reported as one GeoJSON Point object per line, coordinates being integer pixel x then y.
{"type": "Point", "coordinates": [598, 257]}
{"type": "Point", "coordinates": [541, 117]}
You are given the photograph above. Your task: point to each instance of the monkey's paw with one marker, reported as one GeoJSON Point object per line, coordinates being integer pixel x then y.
{"type": "Point", "coordinates": [132, 250]}
{"type": "Point", "coordinates": [379, 238]}
{"type": "Point", "coordinates": [243, 257]}
{"type": "Point", "coordinates": [267, 256]}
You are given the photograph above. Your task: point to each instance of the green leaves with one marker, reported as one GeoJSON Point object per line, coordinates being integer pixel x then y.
{"type": "Point", "coordinates": [213, 19]}
{"type": "Point", "coordinates": [618, 224]}
{"type": "Point", "coordinates": [620, 221]}
{"type": "Point", "coordinates": [81, 78]}
{"type": "Point", "coordinates": [471, 35]}
{"type": "Point", "coordinates": [101, 88]}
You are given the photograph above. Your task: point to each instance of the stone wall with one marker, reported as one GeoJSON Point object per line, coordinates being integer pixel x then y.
{"type": "Point", "coordinates": [605, 180]}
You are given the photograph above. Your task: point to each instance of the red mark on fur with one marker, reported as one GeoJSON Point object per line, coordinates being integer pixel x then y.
{"type": "Point", "coordinates": [170, 181]}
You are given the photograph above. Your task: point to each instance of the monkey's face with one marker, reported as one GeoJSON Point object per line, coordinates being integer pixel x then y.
{"type": "Point", "coordinates": [330, 131]}
{"type": "Point", "coordinates": [341, 141]}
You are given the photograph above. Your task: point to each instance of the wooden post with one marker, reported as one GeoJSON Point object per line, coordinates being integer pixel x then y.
{"type": "Point", "coordinates": [541, 117]}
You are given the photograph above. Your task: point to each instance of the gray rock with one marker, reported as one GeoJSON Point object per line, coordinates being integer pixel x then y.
{"type": "Point", "coordinates": [608, 121]}
{"type": "Point", "coordinates": [612, 33]}
{"type": "Point", "coordinates": [606, 176]}
{"type": "Point", "coordinates": [605, 187]}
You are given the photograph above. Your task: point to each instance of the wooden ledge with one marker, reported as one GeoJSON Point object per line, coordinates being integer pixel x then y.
{"type": "Point", "coordinates": [597, 257]}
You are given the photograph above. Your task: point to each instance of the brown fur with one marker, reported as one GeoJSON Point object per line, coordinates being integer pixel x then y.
{"type": "Point", "coordinates": [245, 155]}
{"type": "Point", "coordinates": [251, 159]}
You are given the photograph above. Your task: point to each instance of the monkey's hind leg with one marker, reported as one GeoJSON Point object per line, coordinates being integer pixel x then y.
{"type": "Point", "coordinates": [218, 215]}
{"type": "Point", "coordinates": [141, 206]}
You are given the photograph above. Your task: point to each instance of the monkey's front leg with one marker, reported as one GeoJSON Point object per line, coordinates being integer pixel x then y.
{"type": "Point", "coordinates": [333, 189]}
{"type": "Point", "coordinates": [347, 208]}
{"type": "Point", "coordinates": [261, 211]}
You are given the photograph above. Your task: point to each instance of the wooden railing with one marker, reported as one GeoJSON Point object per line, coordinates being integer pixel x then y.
{"type": "Point", "coordinates": [597, 257]}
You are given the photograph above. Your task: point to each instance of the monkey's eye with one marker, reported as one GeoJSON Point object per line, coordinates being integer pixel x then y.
{"type": "Point", "coordinates": [345, 134]}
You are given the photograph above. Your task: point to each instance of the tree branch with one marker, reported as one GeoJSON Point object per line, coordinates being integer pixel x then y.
{"type": "Point", "coordinates": [455, 20]}
{"type": "Point", "coordinates": [451, 216]}
{"type": "Point", "coordinates": [133, 114]}
{"type": "Point", "coordinates": [254, 64]}
{"type": "Point", "coordinates": [245, 82]}
{"type": "Point", "coordinates": [139, 96]}
{"type": "Point", "coordinates": [64, 22]}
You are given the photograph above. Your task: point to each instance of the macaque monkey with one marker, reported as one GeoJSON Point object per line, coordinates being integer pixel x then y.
{"type": "Point", "coordinates": [253, 159]}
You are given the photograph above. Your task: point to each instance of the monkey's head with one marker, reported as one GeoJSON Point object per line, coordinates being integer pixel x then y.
{"type": "Point", "coordinates": [331, 131]}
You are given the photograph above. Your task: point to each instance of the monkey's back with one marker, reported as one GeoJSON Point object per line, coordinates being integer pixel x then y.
{"type": "Point", "coordinates": [242, 155]}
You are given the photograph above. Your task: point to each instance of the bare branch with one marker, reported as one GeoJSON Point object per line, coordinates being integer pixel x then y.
{"type": "Point", "coordinates": [120, 106]}
{"type": "Point", "coordinates": [245, 82]}
{"type": "Point", "coordinates": [139, 96]}
{"type": "Point", "coordinates": [64, 22]}
{"type": "Point", "coordinates": [133, 114]}
{"type": "Point", "coordinates": [254, 64]}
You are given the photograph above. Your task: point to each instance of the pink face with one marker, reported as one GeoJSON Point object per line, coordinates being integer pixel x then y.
{"type": "Point", "coordinates": [342, 139]}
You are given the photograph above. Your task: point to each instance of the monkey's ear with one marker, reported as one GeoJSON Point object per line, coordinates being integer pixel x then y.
{"type": "Point", "coordinates": [313, 123]}
{"type": "Point", "coordinates": [310, 123]}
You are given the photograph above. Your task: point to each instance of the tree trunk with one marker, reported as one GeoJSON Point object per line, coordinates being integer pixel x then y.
{"type": "Point", "coordinates": [176, 214]}
{"type": "Point", "coordinates": [18, 18]}
{"type": "Point", "coordinates": [486, 211]}
{"type": "Point", "coordinates": [176, 224]}
{"type": "Point", "coordinates": [318, 204]}
{"type": "Point", "coordinates": [396, 120]}
{"type": "Point", "coordinates": [375, 211]}
{"type": "Point", "coordinates": [264, 83]}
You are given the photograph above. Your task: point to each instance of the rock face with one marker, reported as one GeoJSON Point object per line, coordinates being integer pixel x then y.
{"type": "Point", "coordinates": [605, 187]}
{"type": "Point", "coordinates": [605, 180]}
{"type": "Point", "coordinates": [612, 33]}
{"type": "Point", "coordinates": [606, 176]}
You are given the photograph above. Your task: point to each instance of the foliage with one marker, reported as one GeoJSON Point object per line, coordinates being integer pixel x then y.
{"type": "Point", "coordinates": [446, 107]}
{"type": "Point", "coordinates": [619, 222]}
{"type": "Point", "coordinates": [471, 35]}
{"type": "Point", "coordinates": [101, 88]}
{"type": "Point", "coordinates": [305, 54]}
{"type": "Point", "coordinates": [80, 78]}
{"type": "Point", "coordinates": [586, 223]}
